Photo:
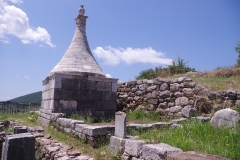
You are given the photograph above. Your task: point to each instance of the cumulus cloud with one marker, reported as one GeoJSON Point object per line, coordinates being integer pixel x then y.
{"type": "Point", "coordinates": [14, 21]}
{"type": "Point", "coordinates": [26, 77]}
{"type": "Point", "coordinates": [113, 56]}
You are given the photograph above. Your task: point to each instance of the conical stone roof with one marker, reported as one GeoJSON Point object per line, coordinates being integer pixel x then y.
{"type": "Point", "coordinates": [78, 59]}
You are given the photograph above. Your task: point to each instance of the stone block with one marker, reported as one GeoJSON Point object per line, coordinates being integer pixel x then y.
{"type": "Point", "coordinates": [192, 155]}
{"type": "Point", "coordinates": [19, 146]}
{"type": "Point", "coordinates": [82, 95]}
{"type": "Point", "coordinates": [20, 129]}
{"type": "Point", "coordinates": [158, 151]}
{"type": "Point", "coordinates": [81, 127]}
{"type": "Point", "coordinates": [68, 105]}
{"type": "Point", "coordinates": [116, 145]}
{"type": "Point", "coordinates": [95, 130]}
{"type": "Point", "coordinates": [120, 124]}
{"type": "Point", "coordinates": [85, 84]}
{"type": "Point", "coordinates": [64, 122]}
{"type": "Point", "coordinates": [133, 147]}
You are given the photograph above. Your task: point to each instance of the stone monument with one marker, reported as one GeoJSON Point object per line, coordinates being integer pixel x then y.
{"type": "Point", "coordinates": [77, 83]}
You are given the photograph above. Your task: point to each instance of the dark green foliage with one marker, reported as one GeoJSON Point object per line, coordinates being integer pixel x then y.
{"type": "Point", "coordinates": [35, 97]}
{"type": "Point", "coordinates": [147, 74]}
{"type": "Point", "coordinates": [177, 67]}
{"type": "Point", "coordinates": [237, 49]}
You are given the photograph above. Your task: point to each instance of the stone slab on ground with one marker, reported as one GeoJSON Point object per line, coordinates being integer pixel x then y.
{"type": "Point", "coordinates": [19, 146]}
{"type": "Point", "coordinates": [158, 151]}
{"type": "Point", "coordinates": [192, 155]}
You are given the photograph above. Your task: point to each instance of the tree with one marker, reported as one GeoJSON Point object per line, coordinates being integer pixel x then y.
{"type": "Point", "coordinates": [237, 49]}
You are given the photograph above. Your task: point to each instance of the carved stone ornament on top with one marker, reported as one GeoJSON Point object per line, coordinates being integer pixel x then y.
{"type": "Point", "coordinates": [81, 19]}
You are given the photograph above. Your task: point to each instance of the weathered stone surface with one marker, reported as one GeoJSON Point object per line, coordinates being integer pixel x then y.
{"type": "Point", "coordinates": [192, 155]}
{"type": "Point", "coordinates": [138, 93]}
{"type": "Point", "coordinates": [165, 94]}
{"type": "Point", "coordinates": [120, 124]}
{"type": "Point", "coordinates": [153, 101]}
{"type": "Point", "coordinates": [175, 109]}
{"type": "Point", "coordinates": [188, 111]}
{"type": "Point", "coordinates": [116, 145]}
{"type": "Point", "coordinates": [225, 117]}
{"type": "Point", "coordinates": [164, 87]}
{"type": "Point", "coordinates": [181, 101]}
{"type": "Point", "coordinates": [133, 147]}
{"type": "Point", "coordinates": [95, 130]}
{"type": "Point", "coordinates": [188, 92]}
{"type": "Point", "coordinates": [174, 87]}
{"type": "Point", "coordinates": [151, 88]}
{"type": "Point", "coordinates": [162, 105]}
{"type": "Point", "coordinates": [25, 144]}
{"type": "Point", "coordinates": [159, 81]}
{"type": "Point", "coordinates": [20, 129]}
{"type": "Point", "coordinates": [178, 94]}
{"type": "Point", "coordinates": [157, 151]}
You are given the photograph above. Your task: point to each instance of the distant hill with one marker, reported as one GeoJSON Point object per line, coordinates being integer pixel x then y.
{"type": "Point", "coordinates": [35, 97]}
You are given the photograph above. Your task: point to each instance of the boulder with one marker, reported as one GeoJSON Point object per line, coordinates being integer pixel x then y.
{"type": "Point", "coordinates": [225, 117]}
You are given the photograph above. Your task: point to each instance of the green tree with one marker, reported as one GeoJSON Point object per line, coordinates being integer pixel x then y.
{"type": "Point", "coordinates": [237, 49]}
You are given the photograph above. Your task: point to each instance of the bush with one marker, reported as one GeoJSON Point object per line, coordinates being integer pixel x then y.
{"type": "Point", "coordinates": [177, 67]}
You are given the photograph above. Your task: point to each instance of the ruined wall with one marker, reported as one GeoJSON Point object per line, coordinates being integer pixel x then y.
{"type": "Point", "coordinates": [178, 97]}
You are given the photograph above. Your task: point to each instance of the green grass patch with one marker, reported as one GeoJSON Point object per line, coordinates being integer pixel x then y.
{"type": "Point", "coordinates": [195, 136]}
{"type": "Point", "coordinates": [28, 119]}
{"type": "Point", "coordinates": [139, 116]}
{"type": "Point", "coordinates": [219, 83]}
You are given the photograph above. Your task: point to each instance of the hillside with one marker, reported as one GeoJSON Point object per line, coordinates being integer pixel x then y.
{"type": "Point", "coordinates": [35, 97]}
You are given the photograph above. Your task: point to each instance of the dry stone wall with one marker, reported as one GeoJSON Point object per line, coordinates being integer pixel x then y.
{"type": "Point", "coordinates": [179, 97]}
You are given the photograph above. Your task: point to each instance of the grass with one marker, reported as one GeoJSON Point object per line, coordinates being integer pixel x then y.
{"type": "Point", "coordinates": [194, 136]}
{"type": "Point", "coordinates": [28, 119]}
{"type": "Point", "coordinates": [139, 116]}
{"type": "Point", "coordinates": [219, 83]}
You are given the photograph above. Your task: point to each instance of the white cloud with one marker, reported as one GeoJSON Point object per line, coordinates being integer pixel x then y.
{"type": "Point", "coordinates": [113, 56]}
{"type": "Point", "coordinates": [26, 77]}
{"type": "Point", "coordinates": [14, 21]}
{"type": "Point", "coordinates": [108, 76]}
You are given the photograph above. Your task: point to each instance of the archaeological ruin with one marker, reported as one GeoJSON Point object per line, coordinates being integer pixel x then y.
{"type": "Point", "coordinates": [77, 83]}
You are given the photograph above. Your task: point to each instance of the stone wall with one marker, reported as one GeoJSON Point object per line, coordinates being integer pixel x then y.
{"type": "Point", "coordinates": [178, 97]}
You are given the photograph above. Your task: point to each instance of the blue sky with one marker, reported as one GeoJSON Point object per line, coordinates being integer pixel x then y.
{"type": "Point", "coordinates": [125, 37]}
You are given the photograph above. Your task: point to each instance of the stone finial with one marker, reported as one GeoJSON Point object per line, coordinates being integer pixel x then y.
{"type": "Point", "coordinates": [81, 19]}
{"type": "Point", "coordinates": [81, 10]}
